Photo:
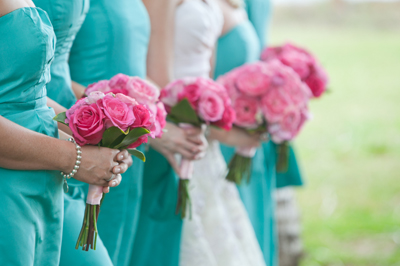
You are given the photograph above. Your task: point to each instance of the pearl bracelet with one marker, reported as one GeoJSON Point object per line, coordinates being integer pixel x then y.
{"type": "Point", "coordinates": [76, 166]}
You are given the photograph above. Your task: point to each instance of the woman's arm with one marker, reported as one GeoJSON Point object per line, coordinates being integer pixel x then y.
{"type": "Point", "coordinates": [78, 89]}
{"type": "Point", "coordinates": [161, 45]}
{"type": "Point", "coordinates": [59, 109]}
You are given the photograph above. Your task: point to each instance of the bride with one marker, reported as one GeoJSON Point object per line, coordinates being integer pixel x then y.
{"type": "Point", "coordinates": [220, 232]}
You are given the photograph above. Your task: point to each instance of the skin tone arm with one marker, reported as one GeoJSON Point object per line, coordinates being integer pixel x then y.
{"type": "Point", "coordinates": [190, 144]}
{"type": "Point", "coordinates": [24, 149]}
{"type": "Point", "coordinates": [79, 90]}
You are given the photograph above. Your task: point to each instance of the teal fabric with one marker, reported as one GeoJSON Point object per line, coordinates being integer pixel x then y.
{"type": "Point", "coordinates": [292, 177]}
{"type": "Point", "coordinates": [259, 13]}
{"type": "Point", "coordinates": [237, 47]}
{"type": "Point", "coordinates": [159, 232]}
{"type": "Point", "coordinates": [113, 39]}
{"type": "Point", "coordinates": [32, 203]}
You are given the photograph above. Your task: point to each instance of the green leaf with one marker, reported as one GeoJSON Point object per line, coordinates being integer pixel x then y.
{"type": "Point", "coordinates": [183, 112]}
{"type": "Point", "coordinates": [137, 154]}
{"type": "Point", "coordinates": [132, 136]}
{"type": "Point", "coordinates": [61, 118]}
{"type": "Point", "coordinates": [111, 135]}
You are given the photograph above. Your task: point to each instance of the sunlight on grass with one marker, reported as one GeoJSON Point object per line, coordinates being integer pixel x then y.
{"type": "Point", "coordinates": [350, 151]}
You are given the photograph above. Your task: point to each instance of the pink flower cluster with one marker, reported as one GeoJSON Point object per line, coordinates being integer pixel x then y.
{"type": "Point", "coordinates": [268, 93]}
{"type": "Point", "coordinates": [142, 91]}
{"type": "Point", "coordinates": [209, 99]}
{"type": "Point", "coordinates": [302, 62]}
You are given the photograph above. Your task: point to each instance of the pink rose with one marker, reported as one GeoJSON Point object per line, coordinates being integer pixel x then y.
{"type": "Point", "coordinates": [289, 126]}
{"type": "Point", "coordinates": [118, 83]}
{"type": "Point", "coordinates": [273, 104]}
{"type": "Point", "coordinates": [253, 79]}
{"type": "Point", "coordinates": [87, 124]}
{"type": "Point", "coordinates": [317, 81]}
{"type": "Point", "coordinates": [72, 110]}
{"type": "Point", "coordinates": [117, 112]}
{"type": "Point", "coordinates": [190, 92]}
{"type": "Point", "coordinates": [227, 119]}
{"type": "Point", "coordinates": [160, 120]}
{"type": "Point", "coordinates": [126, 99]}
{"type": "Point", "coordinates": [142, 117]}
{"type": "Point", "coordinates": [247, 111]}
{"type": "Point", "coordinates": [211, 106]}
{"type": "Point", "coordinates": [169, 94]}
{"type": "Point", "coordinates": [102, 85]}
{"type": "Point", "coordinates": [142, 91]}
{"type": "Point", "coordinates": [140, 141]}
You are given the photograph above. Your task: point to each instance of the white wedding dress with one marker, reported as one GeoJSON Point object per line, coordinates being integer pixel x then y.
{"type": "Point", "coordinates": [220, 232]}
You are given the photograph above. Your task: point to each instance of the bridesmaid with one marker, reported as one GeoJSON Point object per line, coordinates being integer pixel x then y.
{"type": "Point", "coordinates": [114, 39]}
{"type": "Point", "coordinates": [238, 45]}
{"type": "Point", "coordinates": [157, 241]}
{"type": "Point", "coordinates": [31, 156]}
{"type": "Point", "coordinates": [287, 217]}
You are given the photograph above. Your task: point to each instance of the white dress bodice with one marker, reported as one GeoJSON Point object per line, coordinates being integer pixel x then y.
{"type": "Point", "coordinates": [198, 25]}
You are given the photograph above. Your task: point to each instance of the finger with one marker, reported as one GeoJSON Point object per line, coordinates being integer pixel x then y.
{"type": "Point", "coordinates": [128, 161]}
{"type": "Point", "coordinates": [172, 161]}
{"type": "Point", "coordinates": [116, 181]}
{"type": "Point", "coordinates": [187, 154]}
{"type": "Point", "coordinates": [122, 155]}
{"type": "Point", "coordinates": [121, 168]}
{"type": "Point", "coordinates": [192, 131]}
{"type": "Point", "coordinates": [106, 189]}
{"type": "Point", "coordinates": [197, 139]}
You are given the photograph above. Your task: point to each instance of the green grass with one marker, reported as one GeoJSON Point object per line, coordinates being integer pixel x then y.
{"type": "Point", "coordinates": [350, 151]}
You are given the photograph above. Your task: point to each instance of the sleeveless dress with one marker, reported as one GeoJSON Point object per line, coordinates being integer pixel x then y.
{"type": "Point", "coordinates": [32, 203]}
{"type": "Point", "coordinates": [239, 46]}
{"type": "Point", "coordinates": [113, 39]}
{"type": "Point", "coordinates": [219, 232]}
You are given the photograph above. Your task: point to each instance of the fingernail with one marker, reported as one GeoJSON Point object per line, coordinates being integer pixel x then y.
{"type": "Point", "coordinates": [117, 170]}
{"type": "Point", "coordinates": [113, 183]}
{"type": "Point", "coordinates": [120, 157]}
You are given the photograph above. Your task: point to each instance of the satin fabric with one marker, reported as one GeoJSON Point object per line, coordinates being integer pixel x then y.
{"type": "Point", "coordinates": [32, 203]}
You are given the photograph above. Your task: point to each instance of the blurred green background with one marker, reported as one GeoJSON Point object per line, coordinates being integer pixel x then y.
{"type": "Point", "coordinates": [350, 151]}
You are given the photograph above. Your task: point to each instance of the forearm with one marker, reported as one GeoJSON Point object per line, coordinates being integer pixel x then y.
{"type": "Point", "coordinates": [78, 89]}
{"type": "Point", "coordinates": [24, 149]}
{"type": "Point", "coordinates": [161, 45]}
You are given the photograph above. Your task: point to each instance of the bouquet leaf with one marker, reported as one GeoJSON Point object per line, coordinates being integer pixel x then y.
{"type": "Point", "coordinates": [138, 154]}
{"type": "Point", "coordinates": [61, 118]}
{"type": "Point", "coordinates": [112, 135]}
{"type": "Point", "coordinates": [183, 112]}
{"type": "Point", "coordinates": [132, 136]}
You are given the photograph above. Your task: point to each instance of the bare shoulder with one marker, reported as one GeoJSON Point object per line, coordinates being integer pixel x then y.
{"type": "Point", "coordinates": [8, 6]}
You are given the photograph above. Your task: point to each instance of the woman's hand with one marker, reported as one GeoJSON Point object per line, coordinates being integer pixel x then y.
{"type": "Point", "coordinates": [236, 137]}
{"type": "Point", "coordinates": [99, 164]}
{"type": "Point", "coordinates": [190, 143]}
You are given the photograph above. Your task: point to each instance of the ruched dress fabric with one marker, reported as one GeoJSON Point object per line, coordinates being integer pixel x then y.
{"type": "Point", "coordinates": [31, 201]}
{"type": "Point", "coordinates": [113, 39]}
{"type": "Point", "coordinates": [219, 232]}
{"type": "Point", "coordinates": [239, 46]}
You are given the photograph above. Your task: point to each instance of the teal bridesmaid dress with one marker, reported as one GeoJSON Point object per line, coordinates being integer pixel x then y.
{"type": "Point", "coordinates": [67, 17]}
{"type": "Point", "coordinates": [113, 39]}
{"type": "Point", "coordinates": [237, 47]}
{"type": "Point", "coordinates": [31, 201]}
{"type": "Point", "coordinates": [259, 13]}
{"type": "Point", "coordinates": [158, 236]}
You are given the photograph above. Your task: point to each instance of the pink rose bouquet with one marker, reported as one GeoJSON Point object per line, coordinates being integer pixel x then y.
{"type": "Point", "coordinates": [145, 93]}
{"type": "Point", "coordinates": [193, 102]}
{"type": "Point", "coordinates": [268, 98]}
{"type": "Point", "coordinates": [302, 62]}
{"type": "Point", "coordinates": [108, 120]}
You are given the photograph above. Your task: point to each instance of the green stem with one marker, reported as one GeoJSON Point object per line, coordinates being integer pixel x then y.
{"type": "Point", "coordinates": [95, 225]}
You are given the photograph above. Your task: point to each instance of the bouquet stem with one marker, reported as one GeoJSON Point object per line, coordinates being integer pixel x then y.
{"type": "Point", "coordinates": [88, 234]}
{"type": "Point", "coordinates": [282, 163]}
{"type": "Point", "coordinates": [184, 201]}
{"type": "Point", "coordinates": [240, 165]}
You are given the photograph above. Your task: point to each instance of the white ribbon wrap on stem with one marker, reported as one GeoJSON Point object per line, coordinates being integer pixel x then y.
{"type": "Point", "coordinates": [248, 152]}
{"type": "Point", "coordinates": [95, 194]}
